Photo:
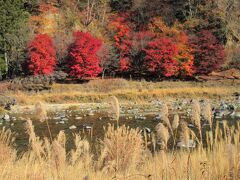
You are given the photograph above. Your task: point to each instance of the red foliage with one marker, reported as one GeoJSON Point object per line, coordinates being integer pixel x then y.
{"type": "Point", "coordinates": [83, 61]}
{"type": "Point", "coordinates": [124, 64]}
{"type": "Point", "coordinates": [160, 57]}
{"type": "Point", "coordinates": [208, 53]}
{"type": "Point", "coordinates": [41, 55]}
{"type": "Point", "coordinates": [122, 39]}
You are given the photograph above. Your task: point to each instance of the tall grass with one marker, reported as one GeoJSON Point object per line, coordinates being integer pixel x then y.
{"type": "Point", "coordinates": [128, 152]}
{"type": "Point", "coordinates": [45, 160]}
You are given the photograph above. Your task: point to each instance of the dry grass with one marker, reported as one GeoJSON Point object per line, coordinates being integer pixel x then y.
{"type": "Point", "coordinates": [162, 135]}
{"type": "Point", "coordinates": [140, 91]}
{"type": "Point", "coordinates": [207, 113]}
{"type": "Point", "coordinates": [114, 110]}
{"type": "Point", "coordinates": [122, 148]}
{"type": "Point", "coordinates": [175, 122]}
{"type": "Point", "coordinates": [6, 152]}
{"type": "Point", "coordinates": [40, 111]}
{"type": "Point", "coordinates": [46, 160]}
{"type": "Point", "coordinates": [124, 156]}
{"type": "Point", "coordinates": [196, 117]}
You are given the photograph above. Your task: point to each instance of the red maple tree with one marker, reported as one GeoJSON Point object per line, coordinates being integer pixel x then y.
{"type": "Point", "coordinates": [41, 55]}
{"type": "Point", "coordinates": [208, 52]}
{"type": "Point", "coordinates": [83, 61]}
{"type": "Point", "coordinates": [160, 57]}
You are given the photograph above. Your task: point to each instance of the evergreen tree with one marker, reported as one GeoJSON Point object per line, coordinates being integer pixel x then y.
{"type": "Point", "coordinates": [12, 17]}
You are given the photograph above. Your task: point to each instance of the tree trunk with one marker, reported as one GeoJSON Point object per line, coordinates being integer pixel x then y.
{"type": "Point", "coordinates": [5, 58]}
{"type": "Point", "coordinates": [6, 62]}
{"type": "Point", "coordinates": [103, 74]}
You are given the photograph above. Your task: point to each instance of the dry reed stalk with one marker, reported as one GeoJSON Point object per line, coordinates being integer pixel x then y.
{"type": "Point", "coordinates": [166, 121]}
{"type": "Point", "coordinates": [58, 159]}
{"type": "Point", "coordinates": [209, 138]}
{"type": "Point", "coordinates": [40, 111]}
{"type": "Point", "coordinates": [164, 110]}
{"type": "Point", "coordinates": [207, 113]}
{"type": "Point", "coordinates": [81, 154]}
{"type": "Point", "coordinates": [216, 137]}
{"type": "Point", "coordinates": [184, 132]}
{"type": "Point", "coordinates": [230, 155]}
{"type": "Point", "coordinates": [162, 134]}
{"type": "Point", "coordinates": [175, 122]}
{"type": "Point", "coordinates": [196, 117]}
{"type": "Point", "coordinates": [130, 149]}
{"type": "Point", "coordinates": [59, 151]}
{"type": "Point", "coordinates": [34, 141]}
{"type": "Point", "coordinates": [115, 108]}
{"type": "Point", "coordinates": [41, 114]}
{"type": "Point", "coordinates": [238, 167]}
{"type": "Point", "coordinates": [6, 152]}
{"type": "Point", "coordinates": [196, 106]}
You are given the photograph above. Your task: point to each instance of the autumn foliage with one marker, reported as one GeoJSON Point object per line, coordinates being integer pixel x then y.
{"type": "Point", "coordinates": [45, 21]}
{"type": "Point", "coordinates": [208, 52]}
{"type": "Point", "coordinates": [161, 50]}
{"type": "Point", "coordinates": [41, 55]}
{"type": "Point", "coordinates": [160, 57]}
{"type": "Point", "coordinates": [83, 61]}
{"type": "Point", "coordinates": [122, 39]}
{"type": "Point", "coordinates": [155, 49]}
{"type": "Point", "coordinates": [185, 57]}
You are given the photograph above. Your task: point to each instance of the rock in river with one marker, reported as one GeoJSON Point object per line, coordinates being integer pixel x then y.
{"type": "Point", "coordinates": [72, 127]}
{"type": "Point", "coordinates": [6, 117]}
{"type": "Point", "coordinates": [190, 144]}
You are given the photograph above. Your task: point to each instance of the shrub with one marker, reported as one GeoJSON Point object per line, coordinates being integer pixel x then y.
{"type": "Point", "coordinates": [36, 83]}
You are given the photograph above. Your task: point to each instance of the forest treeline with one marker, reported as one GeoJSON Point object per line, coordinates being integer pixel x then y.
{"type": "Point", "coordinates": [141, 38]}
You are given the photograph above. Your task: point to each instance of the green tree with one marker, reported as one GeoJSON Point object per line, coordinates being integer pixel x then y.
{"type": "Point", "coordinates": [13, 17]}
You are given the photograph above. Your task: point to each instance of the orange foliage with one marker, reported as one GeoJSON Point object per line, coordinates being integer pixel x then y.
{"type": "Point", "coordinates": [45, 22]}
{"type": "Point", "coordinates": [184, 56]}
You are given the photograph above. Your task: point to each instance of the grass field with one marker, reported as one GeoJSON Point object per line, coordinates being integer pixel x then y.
{"type": "Point", "coordinates": [136, 91]}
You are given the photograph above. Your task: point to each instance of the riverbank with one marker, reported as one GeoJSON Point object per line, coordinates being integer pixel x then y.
{"type": "Point", "coordinates": [96, 91]}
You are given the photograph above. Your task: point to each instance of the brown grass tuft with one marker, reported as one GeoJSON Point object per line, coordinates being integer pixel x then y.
{"type": "Point", "coordinates": [207, 113]}
{"type": "Point", "coordinates": [184, 132]}
{"type": "Point", "coordinates": [162, 134]}
{"type": "Point", "coordinates": [126, 154]}
{"type": "Point", "coordinates": [114, 108]}
{"type": "Point", "coordinates": [40, 111]}
{"type": "Point", "coordinates": [175, 122]}
{"type": "Point", "coordinates": [6, 151]}
{"type": "Point", "coordinates": [196, 117]}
